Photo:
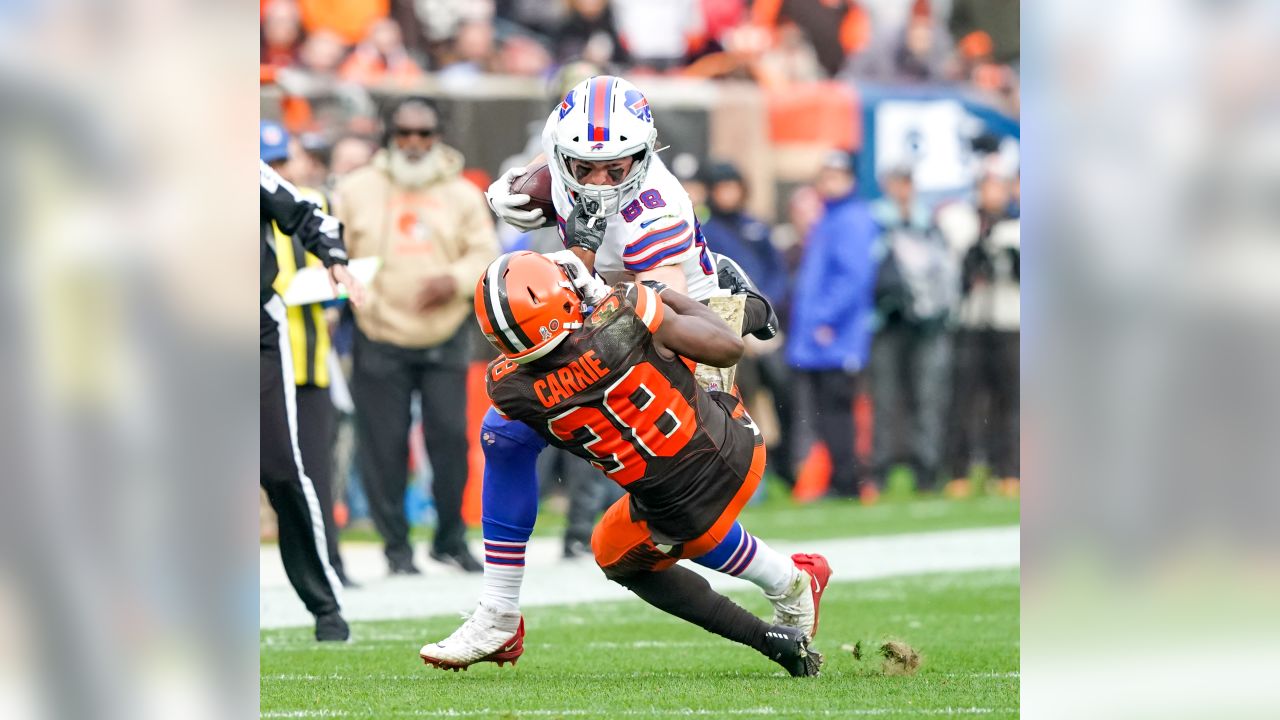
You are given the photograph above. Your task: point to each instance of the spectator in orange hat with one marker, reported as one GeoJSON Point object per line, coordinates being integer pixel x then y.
{"type": "Point", "coordinates": [381, 56]}
{"type": "Point", "coordinates": [978, 67]}
{"type": "Point", "coordinates": [997, 20]}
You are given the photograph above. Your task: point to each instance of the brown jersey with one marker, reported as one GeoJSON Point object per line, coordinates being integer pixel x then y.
{"type": "Point", "coordinates": [607, 395]}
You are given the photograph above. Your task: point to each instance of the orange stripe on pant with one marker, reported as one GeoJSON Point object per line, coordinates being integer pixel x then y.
{"type": "Point", "coordinates": [623, 545]}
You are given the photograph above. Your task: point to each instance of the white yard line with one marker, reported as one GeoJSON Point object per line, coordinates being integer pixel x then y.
{"type": "Point", "coordinates": [415, 677]}
{"type": "Point", "coordinates": [550, 580]}
{"type": "Point", "coordinates": [651, 712]}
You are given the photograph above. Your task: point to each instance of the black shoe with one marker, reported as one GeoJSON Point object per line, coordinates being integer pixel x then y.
{"type": "Point", "coordinates": [789, 647]}
{"type": "Point", "coordinates": [576, 549]}
{"type": "Point", "coordinates": [732, 277]}
{"type": "Point", "coordinates": [331, 627]}
{"type": "Point", "coordinates": [405, 567]}
{"type": "Point", "coordinates": [461, 558]}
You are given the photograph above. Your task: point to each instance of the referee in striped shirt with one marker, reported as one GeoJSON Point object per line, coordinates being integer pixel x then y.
{"type": "Point", "coordinates": [303, 545]}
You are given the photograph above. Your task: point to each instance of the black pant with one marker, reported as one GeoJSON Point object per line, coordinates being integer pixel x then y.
{"type": "Point", "coordinates": [771, 372]}
{"type": "Point", "coordinates": [383, 380]}
{"type": "Point", "coordinates": [303, 545]}
{"type": "Point", "coordinates": [316, 432]}
{"type": "Point", "coordinates": [985, 411]}
{"type": "Point", "coordinates": [911, 371]}
{"type": "Point", "coordinates": [833, 392]}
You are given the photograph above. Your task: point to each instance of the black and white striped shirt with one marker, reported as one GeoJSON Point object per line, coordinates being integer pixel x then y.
{"type": "Point", "coordinates": [319, 233]}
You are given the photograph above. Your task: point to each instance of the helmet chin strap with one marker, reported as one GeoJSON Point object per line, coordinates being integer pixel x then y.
{"type": "Point", "coordinates": [597, 209]}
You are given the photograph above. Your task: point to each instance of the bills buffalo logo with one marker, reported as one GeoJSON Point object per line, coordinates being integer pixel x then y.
{"type": "Point", "coordinates": [598, 146]}
{"type": "Point", "coordinates": [638, 105]}
{"type": "Point", "coordinates": [566, 105]}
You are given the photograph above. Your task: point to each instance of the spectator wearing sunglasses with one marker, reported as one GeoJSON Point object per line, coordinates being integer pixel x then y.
{"type": "Point", "coordinates": [432, 230]}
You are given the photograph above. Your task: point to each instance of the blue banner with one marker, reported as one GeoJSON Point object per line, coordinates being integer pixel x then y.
{"type": "Point", "coordinates": [932, 131]}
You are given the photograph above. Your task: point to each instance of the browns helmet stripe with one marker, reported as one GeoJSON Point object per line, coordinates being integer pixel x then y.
{"type": "Point", "coordinates": [497, 306]}
{"type": "Point", "coordinates": [508, 317]}
{"type": "Point", "coordinates": [490, 291]}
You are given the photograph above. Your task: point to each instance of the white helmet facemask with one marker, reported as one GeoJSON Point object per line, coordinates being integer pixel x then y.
{"type": "Point", "coordinates": [604, 200]}
{"type": "Point", "coordinates": [601, 119]}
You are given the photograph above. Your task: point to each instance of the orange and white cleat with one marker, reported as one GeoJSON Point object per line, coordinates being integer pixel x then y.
{"type": "Point", "coordinates": [486, 636]}
{"type": "Point", "coordinates": [798, 606]}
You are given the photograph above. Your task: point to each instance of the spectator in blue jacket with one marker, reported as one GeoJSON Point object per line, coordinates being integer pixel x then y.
{"type": "Point", "coordinates": [832, 317]}
{"type": "Point", "coordinates": [731, 231]}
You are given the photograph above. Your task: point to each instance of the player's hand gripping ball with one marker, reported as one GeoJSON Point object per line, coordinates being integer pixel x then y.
{"type": "Point", "coordinates": [522, 197]}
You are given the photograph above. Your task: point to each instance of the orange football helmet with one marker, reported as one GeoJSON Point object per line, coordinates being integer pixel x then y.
{"type": "Point", "coordinates": [526, 305]}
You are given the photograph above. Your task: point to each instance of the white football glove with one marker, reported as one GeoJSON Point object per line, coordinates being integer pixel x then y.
{"type": "Point", "coordinates": [507, 206]}
{"type": "Point", "coordinates": [589, 287]}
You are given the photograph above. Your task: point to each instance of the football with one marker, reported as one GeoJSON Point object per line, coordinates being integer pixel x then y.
{"type": "Point", "coordinates": [536, 183]}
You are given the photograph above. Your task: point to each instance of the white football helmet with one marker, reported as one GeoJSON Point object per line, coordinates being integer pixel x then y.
{"type": "Point", "coordinates": [605, 118]}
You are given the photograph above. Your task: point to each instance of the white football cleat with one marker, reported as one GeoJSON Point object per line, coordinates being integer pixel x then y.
{"type": "Point", "coordinates": [797, 607]}
{"type": "Point", "coordinates": [486, 636]}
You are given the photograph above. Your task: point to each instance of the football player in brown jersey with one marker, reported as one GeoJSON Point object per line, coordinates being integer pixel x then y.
{"type": "Point", "coordinates": [615, 387]}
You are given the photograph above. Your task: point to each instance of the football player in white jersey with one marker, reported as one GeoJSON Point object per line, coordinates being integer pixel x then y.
{"type": "Point", "coordinates": [615, 200]}
{"type": "Point", "coordinates": [621, 213]}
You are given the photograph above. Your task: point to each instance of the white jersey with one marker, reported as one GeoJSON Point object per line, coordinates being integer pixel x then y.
{"type": "Point", "coordinates": [657, 227]}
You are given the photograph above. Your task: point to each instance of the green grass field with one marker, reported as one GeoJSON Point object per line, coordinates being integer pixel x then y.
{"type": "Point", "coordinates": [778, 517]}
{"type": "Point", "coordinates": [611, 660]}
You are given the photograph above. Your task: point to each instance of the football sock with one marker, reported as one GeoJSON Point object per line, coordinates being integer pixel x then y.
{"type": "Point", "coordinates": [503, 575]}
{"type": "Point", "coordinates": [685, 594]}
{"type": "Point", "coordinates": [743, 555]}
{"type": "Point", "coordinates": [509, 502]}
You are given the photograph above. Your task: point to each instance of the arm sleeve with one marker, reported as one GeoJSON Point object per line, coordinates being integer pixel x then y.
{"type": "Point", "coordinates": [319, 233]}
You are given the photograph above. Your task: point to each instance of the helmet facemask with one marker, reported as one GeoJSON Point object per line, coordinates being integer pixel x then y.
{"type": "Point", "coordinates": [605, 200]}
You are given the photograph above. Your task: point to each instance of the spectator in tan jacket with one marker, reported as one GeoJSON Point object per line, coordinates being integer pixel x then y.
{"type": "Point", "coordinates": [433, 232]}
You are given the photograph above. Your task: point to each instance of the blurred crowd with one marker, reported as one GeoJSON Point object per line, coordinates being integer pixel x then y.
{"type": "Point", "coordinates": [901, 328]}
{"type": "Point", "coordinates": [900, 345]}
{"type": "Point", "coordinates": [389, 43]}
